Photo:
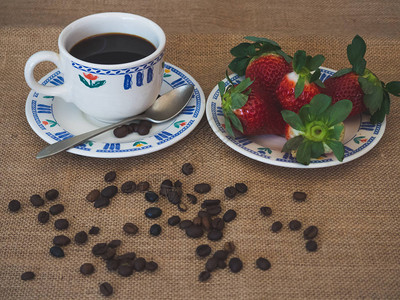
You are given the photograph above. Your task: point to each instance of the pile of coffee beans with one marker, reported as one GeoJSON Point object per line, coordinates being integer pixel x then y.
{"type": "Point", "coordinates": [142, 128]}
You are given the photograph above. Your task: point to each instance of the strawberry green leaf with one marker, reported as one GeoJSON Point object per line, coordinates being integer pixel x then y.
{"type": "Point", "coordinates": [240, 50]}
{"type": "Point", "coordinates": [252, 50]}
{"type": "Point", "coordinates": [386, 102]}
{"type": "Point", "coordinates": [261, 40]}
{"type": "Point", "coordinates": [319, 104]}
{"type": "Point", "coordinates": [378, 116]}
{"type": "Point", "coordinates": [305, 115]}
{"type": "Point", "coordinates": [238, 100]}
{"type": "Point", "coordinates": [221, 88]}
{"type": "Point", "coordinates": [299, 60]}
{"type": "Point", "coordinates": [319, 83]}
{"type": "Point", "coordinates": [292, 144]}
{"type": "Point", "coordinates": [303, 154]}
{"type": "Point", "coordinates": [235, 121]}
{"type": "Point", "coordinates": [285, 56]}
{"type": "Point", "coordinates": [393, 87]}
{"type": "Point", "coordinates": [367, 86]}
{"type": "Point", "coordinates": [342, 72]}
{"type": "Point", "coordinates": [336, 132]}
{"type": "Point", "coordinates": [355, 53]}
{"type": "Point", "coordinates": [298, 89]}
{"type": "Point", "coordinates": [359, 67]}
{"type": "Point", "coordinates": [315, 76]}
{"type": "Point", "coordinates": [293, 119]}
{"type": "Point", "coordinates": [228, 127]}
{"type": "Point", "coordinates": [317, 149]}
{"type": "Point", "coordinates": [338, 112]}
{"type": "Point", "coordinates": [316, 62]}
{"type": "Point", "coordinates": [337, 148]}
{"type": "Point", "coordinates": [239, 65]}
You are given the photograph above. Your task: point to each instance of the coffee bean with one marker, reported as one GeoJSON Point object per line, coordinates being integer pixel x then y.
{"type": "Point", "coordinates": [151, 266]}
{"type": "Point", "coordinates": [182, 207]}
{"type": "Point", "coordinates": [61, 224]}
{"type": "Point", "coordinates": [51, 194]}
{"type": "Point", "coordinates": [155, 230]}
{"type": "Point", "coordinates": [221, 254]}
{"type": "Point", "coordinates": [27, 276]}
{"type": "Point", "coordinates": [266, 211]}
{"type": "Point", "coordinates": [206, 222]}
{"type": "Point", "coordinates": [241, 188]}
{"type": "Point", "coordinates": [93, 195]}
{"type": "Point", "coordinates": [203, 250]}
{"type": "Point", "coordinates": [213, 210]}
{"type": "Point", "coordinates": [57, 252]}
{"type": "Point", "coordinates": [165, 187]}
{"type": "Point", "coordinates": [121, 131]}
{"type": "Point", "coordinates": [36, 200]}
{"type": "Point", "coordinates": [230, 192]}
{"type": "Point", "coordinates": [143, 186]}
{"type": "Point", "coordinates": [114, 243]}
{"type": "Point", "coordinates": [43, 217]}
{"type": "Point", "coordinates": [311, 246]}
{"type": "Point", "coordinates": [178, 187]}
{"type": "Point", "coordinates": [174, 220]}
{"type": "Point", "coordinates": [61, 240]}
{"type": "Point", "coordinates": [153, 212]}
{"type": "Point", "coordinates": [94, 230]}
{"type": "Point", "coordinates": [173, 197]}
{"type": "Point", "coordinates": [276, 226]}
{"type": "Point", "coordinates": [87, 269]}
{"type": "Point", "coordinates": [263, 264]}
{"type": "Point", "coordinates": [185, 224]}
{"type": "Point", "coordinates": [204, 276]}
{"type": "Point", "coordinates": [214, 235]}
{"type": "Point", "coordinates": [81, 237]}
{"type": "Point", "coordinates": [99, 249]}
{"type": "Point", "coordinates": [194, 231]}
{"type": "Point", "coordinates": [109, 254]}
{"type": "Point", "coordinates": [187, 169]}
{"type": "Point", "coordinates": [133, 127]}
{"type": "Point", "coordinates": [208, 203]}
{"type": "Point", "coordinates": [106, 289]}
{"type": "Point", "coordinates": [202, 188]}
{"type": "Point", "coordinates": [310, 232]}
{"type": "Point", "coordinates": [235, 264]}
{"type": "Point", "coordinates": [202, 214]}
{"type": "Point", "coordinates": [125, 270]}
{"type": "Point", "coordinates": [101, 202]}
{"type": "Point", "coordinates": [130, 228]}
{"type": "Point", "coordinates": [229, 215]}
{"type": "Point", "coordinates": [144, 127]}
{"type": "Point", "coordinates": [56, 209]}
{"type": "Point", "coordinates": [128, 187]}
{"type": "Point", "coordinates": [211, 264]}
{"type": "Point", "coordinates": [14, 205]}
{"type": "Point", "coordinates": [139, 264]}
{"type": "Point", "coordinates": [229, 247]}
{"type": "Point", "coordinates": [112, 264]}
{"type": "Point", "coordinates": [192, 198]}
{"type": "Point", "coordinates": [197, 221]}
{"type": "Point", "coordinates": [151, 197]}
{"type": "Point", "coordinates": [110, 176]}
{"type": "Point", "coordinates": [218, 224]}
{"type": "Point", "coordinates": [127, 256]}
{"type": "Point", "coordinates": [294, 225]}
{"type": "Point", "coordinates": [299, 196]}
{"type": "Point", "coordinates": [109, 191]}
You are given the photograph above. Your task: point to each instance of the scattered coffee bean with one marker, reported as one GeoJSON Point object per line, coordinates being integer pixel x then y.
{"type": "Point", "coordinates": [43, 217]}
{"type": "Point", "coordinates": [215, 235]}
{"type": "Point", "coordinates": [263, 264]}
{"type": "Point", "coordinates": [93, 195]}
{"type": "Point", "coordinates": [222, 264]}
{"type": "Point", "coordinates": [197, 221]}
{"type": "Point", "coordinates": [109, 191]}
{"type": "Point", "coordinates": [213, 210]}
{"type": "Point", "coordinates": [81, 237]}
{"type": "Point", "coordinates": [52, 194]}
{"type": "Point", "coordinates": [241, 188]}
{"type": "Point", "coordinates": [114, 243]}
{"type": "Point", "coordinates": [106, 289]}
{"type": "Point", "coordinates": [127, 256]}
{"type": "Point", "coordinates": [221, 254]}
{"type": "Point", "coordinates": [128, 187]}
{"type": "Point", "coordinates": [208, 203]}
{"type": "Point", "coordinates": [61, 224]}
{"type": "Point", "coordinates": [265, 211]}
{"type": "Point", "coordinates": [192, 198]}
{"type": "Point", "coordinates": [57, 252]}
{"type": "Point", "coordinates": [178, 187]}
{"type": "Point", "coordinates": [174, 220]}
{"type": "Point", "coordinates": [112, 264]}
{"type": "Point", "coordinates": [185, 224]}
{"type": "Point", "coordinates": [276, 226]}
{"type": "Point", "coordinates": [139, 264]}
{"type": "Point", "coordinates": [218, 224]}
{"type": "Point", "coordinates": [211, 264]}
{"type": "Point", "coordinates": [27, 276]}
{"type": "Point", "coordinates": [56, 209]}
{"type": "Point", "coordinates": [153, 212]}
{"type": "Point", "coordinates": [151, 197]}
{"type": "Point", "coordinates": [165, 187]}
{"type": "Point", "coordinates": [194, 231]}
{"type": "Point", "coordinates": [143, 186]}
{"type": "Point", "coordinates": [203, 250]}
{"type": "Point", "coordinates": [204, 276]}
{"type": "Point", "coordinates": [310, 232]}
{"type": "Point", "coordinates": [36, 200]}
{"type": "Point", "coordinates": [202, 188]}
{"type": "Point", "coordinates": [299, 196]}
{"type": "Point", "coordinates": [173, 197]}
{"type": "Point", "coordinates": [99, 249]}
{"type": "Point", "coordinates": [94, 230]}
{"type": "Point", "coordinates": [110, 176]}
{"type": "Point", "coordinates": [311, 246]}
{"type": "Point", "coordinates": [87, 269]}
{"type": "Point", "coordinates": [133, 127]}
{"type": "Point", "coordinates": [125, 270]}
{"type": "Point", "coordinates": [187, 169]}
{"type": "Point", "coordinates": [202, 214]}
{"type": "Point", "coordinates": [144, 127]}
{"type": "Point", "coordinates": [102, 202]}
{"type": "Point", "coordinates": [151, 266]}
{"type": "Point", "coordinates": [14, 205]}
{"type": "Point", "coordinates": [230, 192]}
{"type": "Point", "coordinates": [294, 225]}
{"type": "Point", "coordinates": [121, 131]}
{"type": "Point", "coordinates": [182, 207]}
{"type": "Point", "coordinates": [155, 230]}
{"type": "Point", "coordinates": [61, 240]}
{"type": "Point", "coordinates": [235, 264]}
{"type": "Point", "coordinates": [206, 222]}
{"type": "Point", "coordinates": [109, 254]}
{"type": "Point", "coordinates": [229, 247]}
{"type": "Point", "coordinates": [130, 228]}
{"type": "Point", "coordinates": [229, 215]}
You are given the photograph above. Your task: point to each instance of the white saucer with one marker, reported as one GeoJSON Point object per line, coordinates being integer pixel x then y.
{"type": "Point", "coordinates": [53, 119]}
{"type": "Point", "coordinates": [360, 136]}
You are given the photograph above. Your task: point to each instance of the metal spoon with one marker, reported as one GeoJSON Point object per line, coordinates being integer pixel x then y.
{"type": "Point", "coordinates": [163, 109]}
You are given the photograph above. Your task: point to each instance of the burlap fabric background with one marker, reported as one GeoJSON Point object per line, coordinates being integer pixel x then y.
{"type": "Point", "coordinates": [355, 205]}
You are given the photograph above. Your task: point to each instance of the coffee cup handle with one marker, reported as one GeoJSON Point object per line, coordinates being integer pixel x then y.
{"type": "Point", "coordinates": [30, 65]}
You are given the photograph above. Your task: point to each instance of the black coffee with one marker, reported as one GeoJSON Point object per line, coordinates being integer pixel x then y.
{"type": "Point", "coordinates": [112, 48]}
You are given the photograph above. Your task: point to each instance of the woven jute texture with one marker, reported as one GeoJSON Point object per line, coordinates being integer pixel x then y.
{"type": "Point", "coordinates": [354, 205]}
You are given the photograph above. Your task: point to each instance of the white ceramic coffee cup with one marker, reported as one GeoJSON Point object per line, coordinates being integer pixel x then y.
{"type": "Point", "coordinates": [105, 92]}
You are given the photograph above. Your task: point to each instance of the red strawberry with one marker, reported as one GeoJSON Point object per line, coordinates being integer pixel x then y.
{"type": "Point", "coordinates": [263, 62]}
{"type": "Point", "coordinates": [361, 86]}
{"type": "Point", "coordinates": [248, 111]}
{"type": "Point", "coordinates": [300, 86]}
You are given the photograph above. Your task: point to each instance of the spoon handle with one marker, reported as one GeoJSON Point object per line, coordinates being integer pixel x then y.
{"type": "Point", "coordinates": [79, 139]}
